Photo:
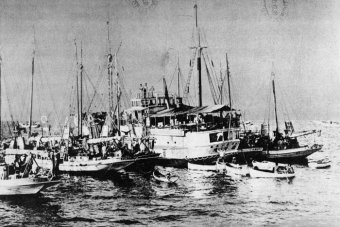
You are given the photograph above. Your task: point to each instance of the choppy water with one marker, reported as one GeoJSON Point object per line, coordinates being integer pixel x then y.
{"type": "Point", "coordinates": [311, 198]}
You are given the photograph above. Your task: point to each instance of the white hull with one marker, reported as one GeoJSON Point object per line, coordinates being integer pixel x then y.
{"type": "Point", "coordinates": [192, 166]}
{"type": "Point", "coordinates": [316, 165]}
{"type": "Point", "coordinates": [94, 165]}
{"type": "Point", "coordinates": [23, 186]}
{"type": "Point", "coordinates": [238, 170]}
{"type": "Point", "coordinates": [177, 144]}
{"type": "Point", "coordinates": [263, 174]}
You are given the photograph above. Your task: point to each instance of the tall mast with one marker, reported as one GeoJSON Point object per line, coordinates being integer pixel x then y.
{"type": "Point", "coordinates": [221, 85]}
{"type": "Point", "coordinates": [0, 100]}
{"type": "Point", "coordinates": [277, 122]}
{"type": "Point", "coordinates": [109, 69]}
{"type": "Point", "coordinates": [77, 85]}
{"type": "Point", "coordinates": [81, 88]}
{"type": "Point", "coordinates": [32, 86]}
{"type": "Point", "coordinates": [199, 60]}
{"type": "Point", "coordinates": [118, 95]}
{"type": "Point", "coordinates": [228, 77]}
{"type": "Point", "coordinates": [178, 76]}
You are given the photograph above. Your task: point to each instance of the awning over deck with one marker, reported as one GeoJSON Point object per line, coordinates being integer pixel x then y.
{"type": "Point", "coordinates": [192, 110]}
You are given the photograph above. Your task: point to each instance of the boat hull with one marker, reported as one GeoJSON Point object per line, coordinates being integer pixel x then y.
{"type": "Point", "coordinates": [94, 165]}
{"type": "Point", "coordinates": [23, 186]}
{"type": "Point", "coordinates": [144, 163]}
{"type": "Point", "coordinates": [192, 166]}
{"type": "Point", "coordinates": [237, 170]}
{"type": "Point", "coordinates": [319, 165]}
{"type": "Point", "coordinates": [264, 174]}
{"type": "Point", "coordinates": [294, 154]}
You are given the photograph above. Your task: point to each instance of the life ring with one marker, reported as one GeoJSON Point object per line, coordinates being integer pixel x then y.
{"type": "Point", "coordinates": [43, 119]}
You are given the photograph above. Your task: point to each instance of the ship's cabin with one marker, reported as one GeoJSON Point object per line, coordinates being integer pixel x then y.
{"type": "Point", "coordinates": [196, 119]}
{"type": "Point", "coordinates": [147, 97]}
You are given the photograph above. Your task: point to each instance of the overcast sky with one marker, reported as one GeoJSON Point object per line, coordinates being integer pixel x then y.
{"type": "Point", "coordinates": [300, 38]}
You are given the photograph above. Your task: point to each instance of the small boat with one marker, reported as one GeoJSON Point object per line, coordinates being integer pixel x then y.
{"type": "Point", "coordinates": [192, 166]}
{"type": "Point", "coordinates": [27, 182]}
{"type": "Point", "coordinates": [25, 186]}
{"type": "Point", "coordinates": [236, 169]}
{"type": "Point", "coordinates": [164, 177]}
{"type": "Point", "coordinates": [319, 164]}
{"type": "Point", "coordinates": [271, 170]}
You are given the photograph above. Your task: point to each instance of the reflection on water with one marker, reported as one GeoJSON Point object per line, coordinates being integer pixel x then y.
{"type": "Point", "coordinates": [198, 198]}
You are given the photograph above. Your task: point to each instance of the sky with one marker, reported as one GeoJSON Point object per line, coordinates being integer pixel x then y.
{"type": "Point", "coordinates": [297, 40]}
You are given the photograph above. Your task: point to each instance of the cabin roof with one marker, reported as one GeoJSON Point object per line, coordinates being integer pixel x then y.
{"type": "Point", "coordinates": [192, 110]}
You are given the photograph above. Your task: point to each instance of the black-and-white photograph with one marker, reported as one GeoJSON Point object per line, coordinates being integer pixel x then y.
{"type": "Point", "coordinates": [169, 112]}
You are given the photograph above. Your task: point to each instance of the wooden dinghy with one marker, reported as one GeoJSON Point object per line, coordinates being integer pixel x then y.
{"type": "Point", "coordinates": [166, 177]}
{"type": "Point", "coordinates": [319, 164]}
{"type": "Point", "coordinates": [271, 170]}
{"type": "Point", "coordinates": [236, 169]}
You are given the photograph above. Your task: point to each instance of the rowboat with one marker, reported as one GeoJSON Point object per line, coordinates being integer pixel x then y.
{"type": "Point", "coordinates": [271, 170]}
{"type": "Point", "coordinates": [320, 164]}
{"type": "Point", "coordinates": [25, 186]}
{"type": "Point", "coordinates": [164, 177]}
{"type": "Point", "coordinates": [236, 169]}
{"type": "Point", "coordinates": [17, 181]}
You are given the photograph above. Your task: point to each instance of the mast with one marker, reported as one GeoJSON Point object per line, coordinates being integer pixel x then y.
{"type": "Point", "coordinates": [199, 60]}
{"type": "Point", "coordinates": [0, 100]}
{"type": "Point", "coordinates": [166, 93]}
{"type": "Point", "coordinates": [228, 77]}
{"type": "Point", "coordinates": [32, 86]}
{"type": "Point", "coordinates": [221, 85]}
{"type": "Point", "coordinates": [178, 76]}
{"type": "Point", "coordinates": [118, 95]}
{"type": "Point", "coordinates": [109, 69]}
{"type": "Point", "coordinates": [81, 88]}
{"type": "Point", "coordinates": [277, 122]}
{"type": "Point", "coordinates": [77, 85]}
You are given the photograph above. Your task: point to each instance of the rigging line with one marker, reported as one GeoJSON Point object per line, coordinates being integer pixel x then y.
{"type": "Point", "coordinates": [44, 79]}
{"type": "Point", "coordinates": [15, 88]}
{"type": "Point", "coordinates": [95, 93]}
{"type": "Point", "coordinates": [292, 109]}
{"type": "Point", "coordinates": [283, 103]}
{"type": "Point", "coordinates": [211, 67]}
{"type": "Point", "coordinates": [212, 89]}
{"type": "Point", "coordinates": [173, 76]}
{"type": "Point", "coordinates": [90, 104]}
{"type": "Point", "coordinates": [7, 97]}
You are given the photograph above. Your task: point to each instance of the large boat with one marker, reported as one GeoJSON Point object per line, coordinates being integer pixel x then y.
{"type": "Point", "coordinates": [285, 146]}
{"type": "Point", "coordinates": [182, 136]}
{"type": "Point", "coordinates": [190, 132]}
{"type": "Point", "coordinates": [19, 174]}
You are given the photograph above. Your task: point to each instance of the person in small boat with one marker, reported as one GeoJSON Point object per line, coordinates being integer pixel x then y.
{"type": "Point", "coordinates": [233, 160]}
